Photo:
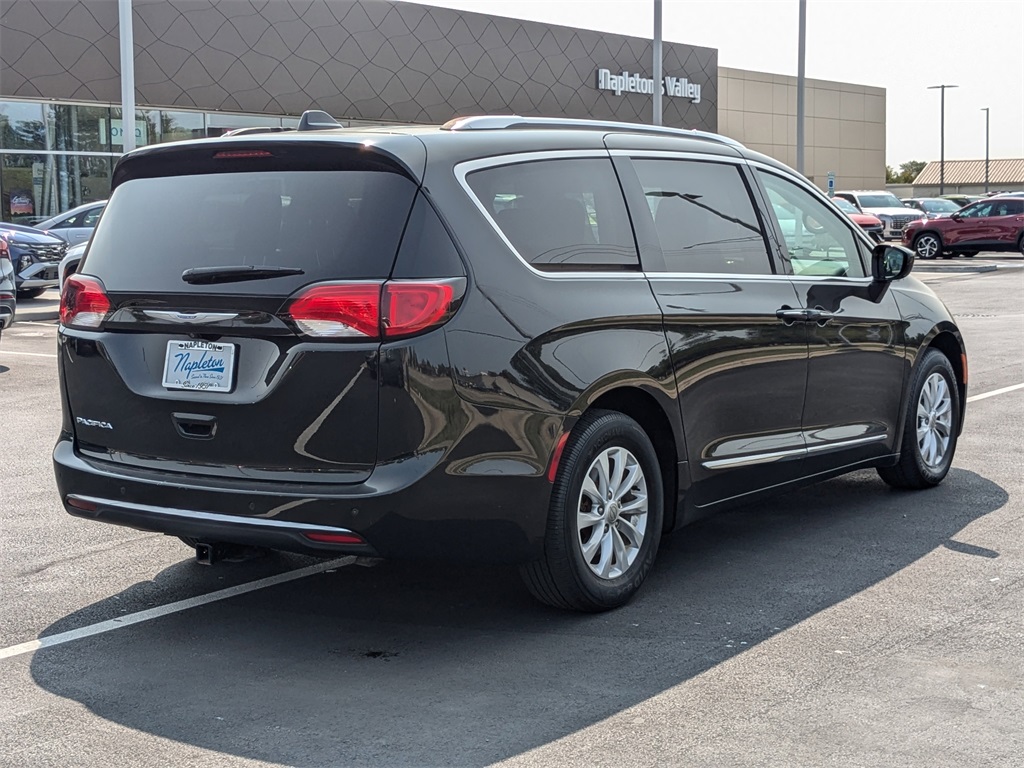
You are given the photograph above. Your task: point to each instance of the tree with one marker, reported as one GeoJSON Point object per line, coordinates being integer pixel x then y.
{"type": "Point", "coordinates": [910, 170]}
{"type": "Point", "coordinates": [907, 173]}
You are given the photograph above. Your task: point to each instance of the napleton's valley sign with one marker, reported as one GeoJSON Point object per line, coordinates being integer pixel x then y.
{"type": "Point", "coordinates": [635, 83]}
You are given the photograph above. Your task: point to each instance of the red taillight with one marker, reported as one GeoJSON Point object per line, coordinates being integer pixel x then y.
{"type": "Point", "coordinates": [414, 307]}
{"type": "Point", "coordinates": [5, 252]}
{"type": "Point", "coordinates": [335, 538]}
{"type": "Point", "coordinates": [372, 310]}
{"type": "Point", "coordinates": [83, 303]}
{"type": "Point", "coordinates": [339, 311]}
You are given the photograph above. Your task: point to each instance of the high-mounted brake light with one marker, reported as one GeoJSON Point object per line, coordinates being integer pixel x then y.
{"type": "Point", "coordinates": [241, 154]}
{"type": "Point", "coordinates": [83, 302]}
{"type": "Point", "coordinates": [372, 310]}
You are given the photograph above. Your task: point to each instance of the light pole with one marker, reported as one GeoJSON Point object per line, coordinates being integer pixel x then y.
{"type": "Point", "coordinates": [801, 55]}
{"type": "Point", "coordinates": [124, 33]}
{"type": "Point", "coordinates": [942, 135]}
{"type": "Point", "coordinates": [985, 110]}
{"type": "Point", "coordinates": [656, 113]}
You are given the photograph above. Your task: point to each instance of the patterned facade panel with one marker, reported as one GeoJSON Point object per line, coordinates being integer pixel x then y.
{"type": "Point", "coordinates": [362, 59]}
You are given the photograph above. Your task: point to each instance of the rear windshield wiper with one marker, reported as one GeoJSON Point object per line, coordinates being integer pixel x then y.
{"type": "Point", "coordinates": [235, 274]}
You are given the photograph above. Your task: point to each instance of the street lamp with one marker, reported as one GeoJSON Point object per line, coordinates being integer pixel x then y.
{"type": "Point", "coordinates": [656, 112]}
{"type": "Point", "coordinates": [800, 82]}
{"type": "Point", "coordinates": [985, 110]}
{"type": "Point", "coordinates": [942, 135]}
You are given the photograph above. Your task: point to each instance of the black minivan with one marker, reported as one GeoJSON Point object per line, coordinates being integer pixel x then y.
{"type": "Point", "coordinates": [517, 340]}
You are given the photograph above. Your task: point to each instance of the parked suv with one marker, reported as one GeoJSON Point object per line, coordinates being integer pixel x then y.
{"type": "Point", "coordinates": [519, 340]}
{"type": "Point", "coordinates": [893, 214]}
{"type": "Point", "coordinates": [995, 224]}
{"type": "Point", "coordinates": [932, 207]}
{"type": "Point", "coordinates": [35, 257]}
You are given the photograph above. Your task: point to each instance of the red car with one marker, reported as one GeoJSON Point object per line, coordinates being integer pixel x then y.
{"type": "Point", "coordinates": [996, 224]}
{"type": "Point", "coordinates": [870, 224]}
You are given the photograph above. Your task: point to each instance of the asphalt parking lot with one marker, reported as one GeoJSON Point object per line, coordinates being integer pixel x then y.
{"type": "Point", "coordinates": [845, 624]}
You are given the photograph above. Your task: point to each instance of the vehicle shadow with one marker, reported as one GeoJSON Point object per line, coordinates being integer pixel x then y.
{"type": "Point", "coordinates": [4, 369]}
{"type": "Point", "coordinates": [410, 664]}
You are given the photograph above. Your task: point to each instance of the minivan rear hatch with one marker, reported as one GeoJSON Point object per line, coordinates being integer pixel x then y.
{"type": "Point", "coordinates": [220, 322]}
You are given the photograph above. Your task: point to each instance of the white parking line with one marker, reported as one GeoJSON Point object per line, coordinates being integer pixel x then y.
{"type": "Point", "coordinates": [163, 610]}
{"type": "Point", "coordinates": [27, 354]}
{"type": "Point", "coordinates": [995, 392]}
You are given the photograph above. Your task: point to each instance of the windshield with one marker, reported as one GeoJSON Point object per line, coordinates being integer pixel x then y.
{"type": "Point", "coordinates": [879, 201]}
{"type": "Point", "coordinates": [319, 225]}
{"type": "Point", "coordinates": [845, 205]}
{"type": "Point", "coordinates": [939, 206]}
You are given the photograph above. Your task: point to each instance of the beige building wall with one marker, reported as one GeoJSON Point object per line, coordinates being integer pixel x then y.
{"type": "Point", "coordinates": [844, 129]}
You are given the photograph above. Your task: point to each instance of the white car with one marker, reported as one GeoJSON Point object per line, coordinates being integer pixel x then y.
{"type": "Point", "coordinates": [888, 208]}
{"type": "Point", "coordinates": [76, 225]}
{"type": "Point", "coordinates": [69, 264]}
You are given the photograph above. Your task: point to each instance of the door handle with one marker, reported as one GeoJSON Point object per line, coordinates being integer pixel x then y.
{"type": "Point", "coordinates": [788, 315]}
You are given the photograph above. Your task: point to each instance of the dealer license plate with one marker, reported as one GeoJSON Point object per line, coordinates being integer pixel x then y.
{"type": "Point", "coordinates": [200, 365]}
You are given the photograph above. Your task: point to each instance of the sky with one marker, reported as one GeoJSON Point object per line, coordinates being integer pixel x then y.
{"type": "Point", "coordinates": [903, 46]}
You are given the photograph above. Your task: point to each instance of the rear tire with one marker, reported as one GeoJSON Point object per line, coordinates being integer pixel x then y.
{"type": "Point", "coordinates": [930, 427]}
{"type": "Point", "coordinates": [31, 293]}
{"type": "Point", "coordinates": [968, 254]}
{"type": "Point", "coordinates": [928, 245]}
{"type": "Point", "coordinates": [605, 517]}
{"type": "Point", "coordinates": [1020, 244]}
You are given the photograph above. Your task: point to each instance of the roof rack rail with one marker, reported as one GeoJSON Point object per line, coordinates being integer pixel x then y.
{"type": "Point", "coordinates": [256, 129]}
{"type": "Point", "coordinates": [498, 122]}
{"type": "Point", "coordinates": [316, 120]}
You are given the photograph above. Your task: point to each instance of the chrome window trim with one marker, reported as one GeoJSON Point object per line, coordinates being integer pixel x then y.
{"type": "Point", "coordinates": [681, 154]}
{"type": "Point", "coordinates": [765, 458]}
{"type": "Point", "coordinates": [463, 169]}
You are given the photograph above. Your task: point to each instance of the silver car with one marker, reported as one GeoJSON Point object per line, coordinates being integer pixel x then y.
{"type": "Point", "coordinates": [76, 225]}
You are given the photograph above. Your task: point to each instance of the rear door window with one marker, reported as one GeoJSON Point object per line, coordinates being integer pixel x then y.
{"type": "Point", "coordinates": [704, 217]}
{"type": "Point", "coordinates": [560, 214]}
{"type": "Point", "coordinates": [331, 224]}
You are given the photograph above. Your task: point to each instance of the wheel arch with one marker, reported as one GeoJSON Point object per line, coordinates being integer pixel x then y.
{"type": "Point", "coordinates": [644, 408]}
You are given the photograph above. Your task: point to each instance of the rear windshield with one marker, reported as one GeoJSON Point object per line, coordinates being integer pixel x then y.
{"type": "Point", "coordinates": [330, 224]}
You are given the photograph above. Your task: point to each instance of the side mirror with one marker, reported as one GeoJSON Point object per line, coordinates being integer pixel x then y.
{"type": "Point", "coordinates": [956, 216]}
{"type": "Point", "coordinates": [890, 262]}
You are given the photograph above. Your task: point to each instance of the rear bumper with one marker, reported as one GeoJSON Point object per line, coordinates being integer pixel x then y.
{"type": "Point", "coordinates": [211, 527]}
{"type": "Point", "coordinates": [412, 509]}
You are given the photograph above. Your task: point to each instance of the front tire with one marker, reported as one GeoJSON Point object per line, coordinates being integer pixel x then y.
{"type": "Point", "coordinates": [605, 517]}
{"type": "Point", "coordinates": [930, 427]}
{"type": "Point", "coordinates": [928, 245]}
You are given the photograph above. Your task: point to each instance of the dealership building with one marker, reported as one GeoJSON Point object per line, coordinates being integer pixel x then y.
{"type": "Point", "coordinates": [203, 67]}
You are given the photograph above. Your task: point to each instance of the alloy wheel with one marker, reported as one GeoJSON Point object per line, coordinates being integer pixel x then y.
{"type": "Point", "coordinates": [611, 516]}
{"type": "Point", "coordinates": [927, 246]}
{"type": "Point", "coordinates": [934, 420]}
